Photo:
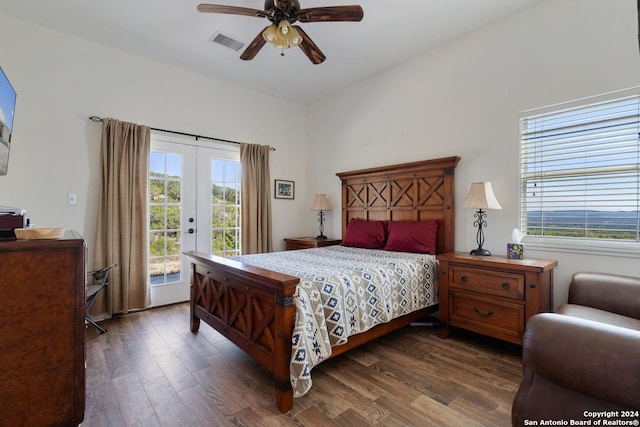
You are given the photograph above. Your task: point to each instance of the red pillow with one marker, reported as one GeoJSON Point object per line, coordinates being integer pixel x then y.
{"type": "Point", "coordinates": [412, 236]}
{"type": "Point", "coordinates": [365, 234]}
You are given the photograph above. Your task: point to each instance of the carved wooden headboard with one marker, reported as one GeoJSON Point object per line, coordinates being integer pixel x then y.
{"type": "Point", "coordinates": [415, 191]}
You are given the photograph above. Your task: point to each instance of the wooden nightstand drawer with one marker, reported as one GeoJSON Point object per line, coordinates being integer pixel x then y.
{"type": "Point", "coordinates": [484, 314]}
{"type": "Point", "coordinates": [492, 282]}
{"type": "Point", "coordinates": [294, 243]}
{"type": "Point", "coordinates": [493, 295]}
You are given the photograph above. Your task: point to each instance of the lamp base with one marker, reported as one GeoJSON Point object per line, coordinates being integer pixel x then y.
{"type": "Point", "coordinates": [321, 237]}
{"type": "Point", "coordinates": [480, 252]}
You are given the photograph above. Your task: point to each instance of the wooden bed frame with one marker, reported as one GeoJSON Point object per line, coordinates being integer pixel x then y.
{"type": "Point", "coordinates": [253, 307]}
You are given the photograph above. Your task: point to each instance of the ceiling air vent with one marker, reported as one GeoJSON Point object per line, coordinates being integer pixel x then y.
{"type": "Point", "coordinates": [226, 41]}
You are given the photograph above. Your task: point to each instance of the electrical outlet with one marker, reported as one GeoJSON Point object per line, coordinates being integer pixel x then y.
{"type": "Point", "coordinates": [71, 199]}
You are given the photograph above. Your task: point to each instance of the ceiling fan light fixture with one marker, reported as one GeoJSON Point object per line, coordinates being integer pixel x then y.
{"type": "Point", "coordinates": [288, 34]}
{"type": "Point", "coordinates": [271, 34]}
{"type": "Point", "coordinates": [282, 35]}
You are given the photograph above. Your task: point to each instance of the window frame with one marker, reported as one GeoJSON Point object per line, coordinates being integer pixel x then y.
{"type": "Point", "coordinates": [617, 246]}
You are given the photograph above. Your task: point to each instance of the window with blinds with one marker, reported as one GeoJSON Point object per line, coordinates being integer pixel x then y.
{"type": "Point", "coordinates": [580, 169]}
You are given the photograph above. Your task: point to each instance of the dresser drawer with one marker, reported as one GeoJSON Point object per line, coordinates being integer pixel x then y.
{"type": "Point", "coordinates": [482, 314]}
{"type": "Point", "coordinates": [487, 281]}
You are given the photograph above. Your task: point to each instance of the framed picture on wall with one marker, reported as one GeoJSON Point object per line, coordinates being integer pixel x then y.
{"type": "Point", "coordinates": [284, 189]}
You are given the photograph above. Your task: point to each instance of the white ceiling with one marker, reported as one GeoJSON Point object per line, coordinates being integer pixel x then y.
{"type": "Point", "coordinates": [174, 32]}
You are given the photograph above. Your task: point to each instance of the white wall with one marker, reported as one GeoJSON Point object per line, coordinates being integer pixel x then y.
{"type": "Point", "coordinates": [465, 98]}
{"type": "Point", "coordinates": [61, 80]}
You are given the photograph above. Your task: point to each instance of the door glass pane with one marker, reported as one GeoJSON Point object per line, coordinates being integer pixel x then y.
{"type": "Point", "coordinates": [165, 195]}
{"type": "Point", "coordinates": [225, 207]}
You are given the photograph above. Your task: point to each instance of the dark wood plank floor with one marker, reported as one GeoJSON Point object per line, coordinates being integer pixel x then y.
{"type": "Point", "coordinates": [149, 370]}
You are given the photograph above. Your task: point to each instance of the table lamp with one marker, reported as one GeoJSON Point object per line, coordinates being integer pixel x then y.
{"type": "Point", "coordinates": [481, 197]}
{"type": "Point", "coordinates": [321, 204]}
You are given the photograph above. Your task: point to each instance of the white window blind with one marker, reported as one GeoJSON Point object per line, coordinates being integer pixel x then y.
{"type": "Point", "coordinates": [580, 169]}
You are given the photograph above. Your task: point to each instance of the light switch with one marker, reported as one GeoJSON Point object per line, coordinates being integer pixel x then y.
{"type": "Point", "coordinates": [71, 199]}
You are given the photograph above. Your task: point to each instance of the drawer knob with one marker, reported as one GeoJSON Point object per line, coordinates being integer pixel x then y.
{"type": "Point", "coordinates": [463, 278]}
{"type": "Point", "coordinates": [505, 285]}
{"type": "Point", "coordinates": [487, 314]}
{"type": "Point", "coordinates": [532, 285]}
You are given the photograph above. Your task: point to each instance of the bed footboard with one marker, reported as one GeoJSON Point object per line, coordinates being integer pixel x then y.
{"type": "Point", "coordinates": [254, 308]}
{"type": "Point", "coordinates": [250, 306]}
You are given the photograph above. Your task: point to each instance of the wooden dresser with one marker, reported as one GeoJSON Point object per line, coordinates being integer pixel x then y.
{"type": "Point", "coordinates": [493, 295]}
{"type": "Point", "coordinates": [42, 331]}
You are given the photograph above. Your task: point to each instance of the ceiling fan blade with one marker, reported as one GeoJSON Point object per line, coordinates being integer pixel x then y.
{"type": "Point", "coordinates": [254, 47]}
{"type": "Point", "coordinates": [309, 48]}
{"type": "Point", "coordinates": [232, 10]}
{"type": "Point", "coordinates": [283, 4]}
{"type": "Point", "coordinates": [330, 13]}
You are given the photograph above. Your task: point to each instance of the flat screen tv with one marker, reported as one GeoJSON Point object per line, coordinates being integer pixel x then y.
{"type": "Point", "coordinates": [7, 107]}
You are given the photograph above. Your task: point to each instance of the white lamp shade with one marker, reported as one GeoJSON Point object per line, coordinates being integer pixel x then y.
{"type": "Point", "coordinates": [481, 197]}
{"type": "Point", "coordinates": [320, 203]}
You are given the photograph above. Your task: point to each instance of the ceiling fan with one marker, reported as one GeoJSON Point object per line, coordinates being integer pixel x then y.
{"type": "Point", "coordinates": [281, 33]}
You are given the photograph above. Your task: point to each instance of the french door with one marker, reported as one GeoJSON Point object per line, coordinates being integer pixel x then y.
{"type": "Point", "coordinates": [194, 203]}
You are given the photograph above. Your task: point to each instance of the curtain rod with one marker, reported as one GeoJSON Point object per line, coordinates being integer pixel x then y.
{"type": "Point", "coordinates": [99, 119]}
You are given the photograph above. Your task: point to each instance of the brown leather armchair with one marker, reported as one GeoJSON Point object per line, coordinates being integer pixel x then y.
{"type": "Point", "coordinates": [585, 358]}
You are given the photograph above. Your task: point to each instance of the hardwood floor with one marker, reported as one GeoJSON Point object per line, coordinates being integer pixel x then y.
{"type": "Point", "coordinates": [150, 370]}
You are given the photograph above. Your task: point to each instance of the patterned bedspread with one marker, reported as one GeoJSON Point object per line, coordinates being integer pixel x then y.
{"type": "Point", "coordinates": [344, 291]}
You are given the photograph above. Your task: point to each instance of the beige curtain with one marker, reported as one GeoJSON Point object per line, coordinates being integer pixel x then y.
{"type": "Point", "coordinates": [122, 216]}
{"type": "Point", "coordinates": [255, 203]}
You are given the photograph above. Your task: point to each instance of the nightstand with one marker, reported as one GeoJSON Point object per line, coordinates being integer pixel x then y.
{"type": "Point", "coordinates": [493, 295]}
{"type": "Point", "coordinates": [308, 242]}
